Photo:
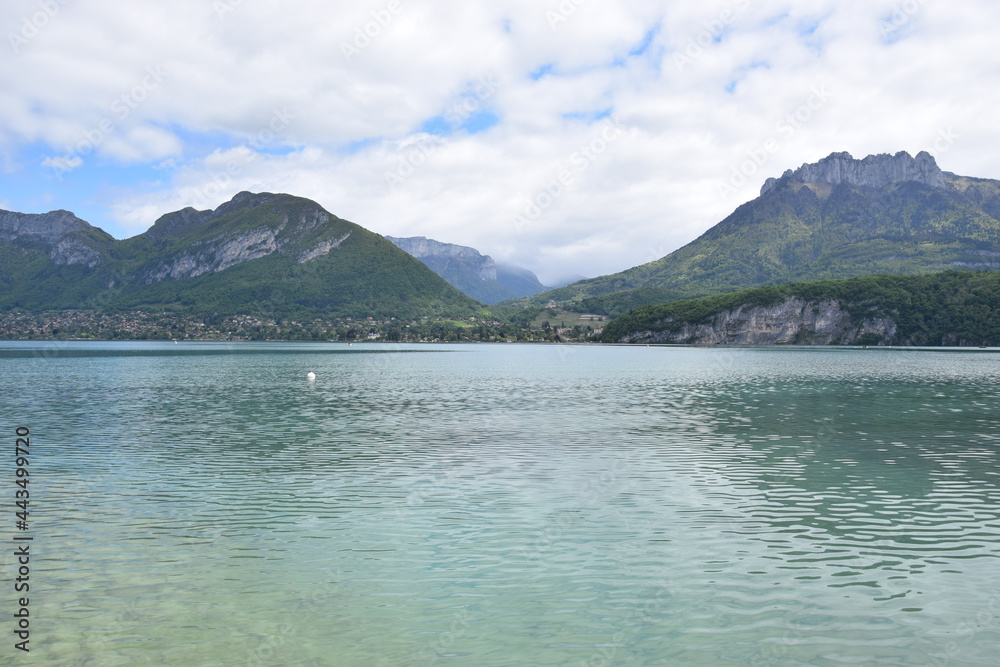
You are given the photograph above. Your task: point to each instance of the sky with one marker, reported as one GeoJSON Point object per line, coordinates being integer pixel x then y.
{"type": "Point", "coordinates": [573, 138]}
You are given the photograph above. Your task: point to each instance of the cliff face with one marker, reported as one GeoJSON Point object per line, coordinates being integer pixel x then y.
{"type": "Point", "coordinates": [303, 237]}
{"type": "Point", "coordinates": [67, 238]}
{"type": "Point", "coordinates": [423, 248]}
{"type": "Point", "coordinates": [181, 223]}
{"type": "Point", "coordinates": [874, 171]}
{"type": "Point", "coordinates": [836, 218]}
{"type": "Point", "coordinates": [472, 272]}
{"type": "Point", "coordinates": [259, 252]}
{"type": "Point", "coordinates": [792, 321]}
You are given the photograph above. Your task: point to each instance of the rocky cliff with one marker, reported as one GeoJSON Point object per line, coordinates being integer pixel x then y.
{"type": "Point", "coordinates": [67, 238]}
{"type": "Point", "coordinates": [257, 253]}
{"type": "Point", "coordinates": [304, 235]}
{"type": "Point", "coordinates": [793, 321]}
{"type": "Point", "coordinates": [874, 171]}
{"type": "Point", "coordinates": [474, 273]}
{"type": "Point", "coordinates": [422, 248]}
{"type": "Point", "coordinates": [836, 218]}
{"type": "Point", "coordinates": [187, 220]}
{"type": "Point", "coordinates": [944, 308]}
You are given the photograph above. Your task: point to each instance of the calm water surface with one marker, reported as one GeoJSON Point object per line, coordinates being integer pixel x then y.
{"type": "Point", "coordinates": [206, 504]}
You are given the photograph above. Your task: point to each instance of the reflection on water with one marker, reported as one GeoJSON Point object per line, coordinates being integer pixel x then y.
{"type": "Point", "coordinates": [491, 505]}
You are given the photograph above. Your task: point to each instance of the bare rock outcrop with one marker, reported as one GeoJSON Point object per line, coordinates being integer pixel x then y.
{"type": "Point", "coordinates": [70, 240]}
{"type": "Point", "coordinates": [874, 171]}
{"type": "Point", "coordinates": [421, 247]}
{"type": "Point", "coordinates": [791, 321]}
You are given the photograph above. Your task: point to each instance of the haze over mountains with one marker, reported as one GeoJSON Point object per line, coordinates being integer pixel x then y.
{"type": "Point", "coordinates": [475, 274]}
{"type": "Point", "coordinates": [837, 218]}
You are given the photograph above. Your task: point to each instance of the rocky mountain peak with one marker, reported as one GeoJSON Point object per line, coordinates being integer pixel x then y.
{"type": "Point", "coordinates": [45, 227]}
{"type": "Point", "coordinates": [182, 222]}
{"type": "Point", "coordinates": [243, 200]}
{"type": "Point", "coordinates": [70, 239]}
{"type": "Point", "coordinates": [875, 171]}
{"type": "Point", "coordinates": [178, 223]}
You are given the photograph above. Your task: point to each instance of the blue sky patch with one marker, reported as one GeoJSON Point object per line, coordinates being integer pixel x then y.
{"type": "Point", "coordinates": [895, 26]}
{"type": "Point", "coordinates": [774, 20]}
{"type": "Point", "coordinates": [438, 126]}
{"type": "Point", "coordinates": [642, 47]}
{"type": "Point", "coordinates": [460, 118]}
{"type": "Point", "coordinates": [588, 116]}
{"type": "Point", "coordinates": [542, 71]}
{"type": "Point", "coordinates": [808, 30]}
{"type": "Point", "coordinates": [480, 121]}
{"type": "Point", "coordinates": [358, 146]}
{"type": "Point", "coordinates": [741, 73]}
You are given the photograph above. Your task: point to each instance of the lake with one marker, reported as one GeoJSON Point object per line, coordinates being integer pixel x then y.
{"type": "Point", "coordinates": [207, 504]}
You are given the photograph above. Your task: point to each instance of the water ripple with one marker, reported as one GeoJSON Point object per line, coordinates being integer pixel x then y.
{"type": "Point", "coordinates": [499, 505]}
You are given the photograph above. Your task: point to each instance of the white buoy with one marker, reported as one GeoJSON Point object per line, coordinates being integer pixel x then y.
{"type": "Point", "coordinates": [310, 376]}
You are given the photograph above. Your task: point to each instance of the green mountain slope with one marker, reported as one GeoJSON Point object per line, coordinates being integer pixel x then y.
{"type": "Point", "coordinates": [459, 276]}
{"type": "Point", "coordinates": [55, 260]}
{"type": "Point", "coordinates": [838, 218]}
{"type": "Point", "coordinates": [257, 254]}
{"type": "Point", "coordinates": [947, 308]}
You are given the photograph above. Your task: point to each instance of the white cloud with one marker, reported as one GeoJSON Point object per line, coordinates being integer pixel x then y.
{"type": "Point", "coordinates": [63, 163]}
{"type": "Point", "coordinates": [265, 97]}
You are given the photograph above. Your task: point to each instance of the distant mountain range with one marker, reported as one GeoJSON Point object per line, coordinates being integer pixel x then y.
{"type": "Point", "coordinates": [259, 253]}
{"type": "Point", "coordinates": [837, 218]}
{"type": "Point", "coordinates": [475, 274]}
{"type": "Point", "coordinates": [282, 255]}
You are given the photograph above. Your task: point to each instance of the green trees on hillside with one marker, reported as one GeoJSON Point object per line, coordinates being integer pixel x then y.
{"type": "Point", "coordinates": [948, 308]}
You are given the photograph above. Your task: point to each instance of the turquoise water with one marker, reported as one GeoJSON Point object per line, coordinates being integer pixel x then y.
{"type": "Point", "coordinates": [206, 504]}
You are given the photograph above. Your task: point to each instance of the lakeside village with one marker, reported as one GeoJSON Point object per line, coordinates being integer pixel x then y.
{"type": "Point", "coordinates": [549, 325]}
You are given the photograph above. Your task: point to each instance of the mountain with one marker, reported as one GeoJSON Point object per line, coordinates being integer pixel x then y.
{"type": "Point", "coordinates": [837, 218]}
{"type": "Point", "coordinates": [258, 253]}
{"type": "Point", "coordinates": [475, 274]}
{"type": "Point", "coordinates": [519, 281]}
{"type": "Point", "coordinates": [948, 308]}
{"type": "Point", "coordinates": [568, 280]}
